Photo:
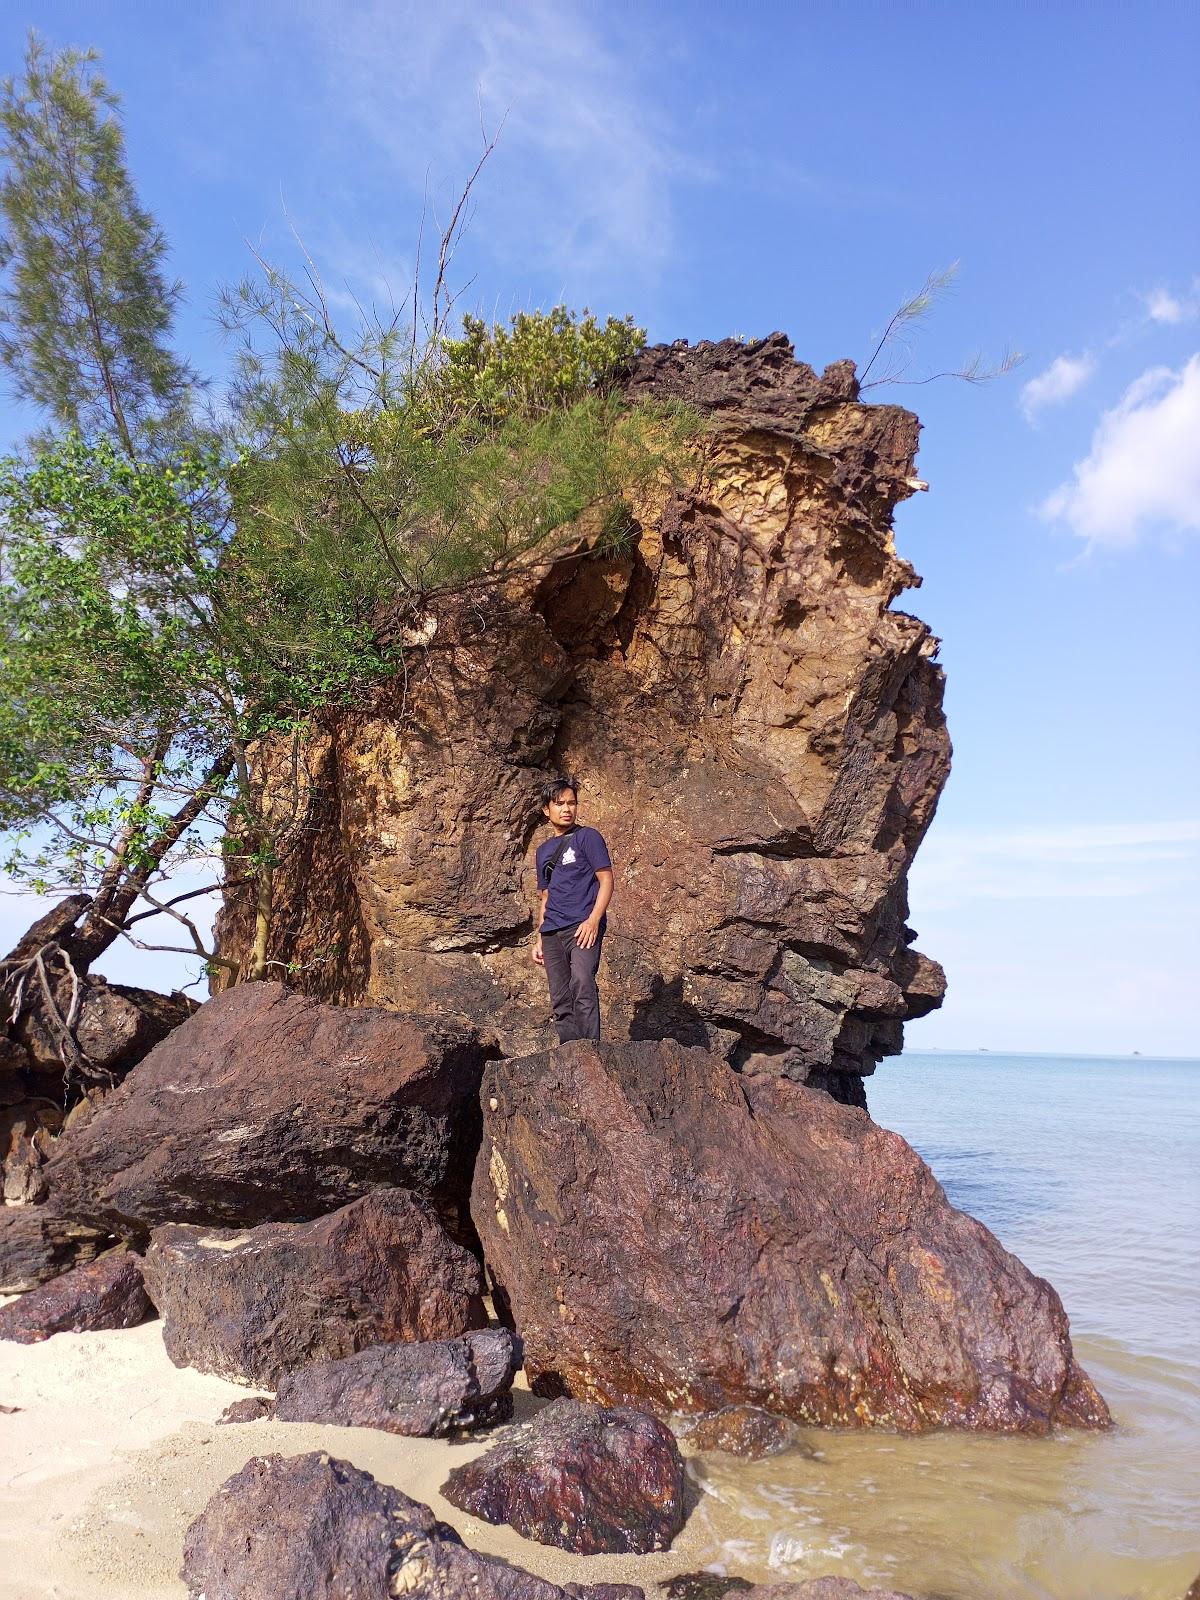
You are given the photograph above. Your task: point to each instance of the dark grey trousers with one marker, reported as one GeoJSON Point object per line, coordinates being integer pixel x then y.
{"type": "Point", "coordinates": [574, 998]}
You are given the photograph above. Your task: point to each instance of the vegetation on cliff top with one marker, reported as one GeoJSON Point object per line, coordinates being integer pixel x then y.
{"type": "Point", "coordinates": [179, 587]}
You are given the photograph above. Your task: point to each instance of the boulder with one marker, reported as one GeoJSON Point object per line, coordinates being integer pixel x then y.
{"type": "Point", "coordinates": [103, 1294]}
{"type": "Point", "coordinates": [37, 1243]}
{"type": "Point", "coordinates": [746, 1431]}
{"type": "Point", "coordinates": [267, 1106]}
{"type": "Point", "coordinates": [321, 1528]}
{"type": "Point", "coordinates": [586, 1478]}
{"type": "Point", "coordinates": [253, 1305]}
{"type": "Point", "coordinates": [672, 1234]}
{"type": "Point", "coordinates": [424, 1390]}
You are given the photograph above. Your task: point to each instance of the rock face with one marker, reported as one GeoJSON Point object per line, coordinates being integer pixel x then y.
{"type": "Point", "coordinates": [423, 1390]}
{"type": "Point", "coordinates": [251, 1306]}
{"type": "Point", "coordinates": [587, 1478]}
{"type": "Point", "coordinates": [37, 1244]}
{"type": "Point", "coordinates": [670, 1233]}
{"type": "Point", "coordinates": [759, 736]}
{"type": "Point", "coordinates": [103, 1294]}
{"type": "Point", "coordinates": [269, 1106]}
{"type": "Point", "coordinates": [317, 1527]}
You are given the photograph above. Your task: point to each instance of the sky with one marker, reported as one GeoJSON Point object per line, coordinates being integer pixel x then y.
{"type": "Point", "coordinates": [718, 171]}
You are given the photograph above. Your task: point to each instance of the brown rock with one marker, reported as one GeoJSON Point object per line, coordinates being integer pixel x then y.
{"type": "Point", "coordinates": [586, 1478]}
{"type": "Point", "coordinates": [424, 1390]}
{"type": "Point", "coordinates": [670, 1233]}
{"type": "Point", "coordinates": [103, 1294]}
{"type": "Point", "coordinates": [758, 729]}
{"type": "Point", "coordinates": [37, 1243]}
{"type": "Point", "coordinates": [269, 1106]}
{"type": "Point", "coordinates": [256, 1304]}
{"type": "Point", "coordinates": [255, 1409]}
{"type": "Point", "coordinates": [746, 1431]}
{"type": "Point", "coordinates": [820, 1589]}
{"type": "Point", "coordinates": [321, 1528]}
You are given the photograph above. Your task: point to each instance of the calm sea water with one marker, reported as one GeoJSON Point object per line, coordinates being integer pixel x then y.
{"type": "Point", "coordinates": [1089, 1170]}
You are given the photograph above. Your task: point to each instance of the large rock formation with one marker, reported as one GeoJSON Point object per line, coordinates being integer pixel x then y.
{"type": "Point", "coordinates": [267, 1106]}
{"type": "Point", "coordinates": [251, 1306]}
{"type": "Point", "coordinates": [671, 1234]}
{"type": "Point", "coordinates": [758, 732]}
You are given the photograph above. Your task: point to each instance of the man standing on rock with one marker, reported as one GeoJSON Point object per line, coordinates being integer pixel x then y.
{"type": "Point", "coordinates": [575, 885]}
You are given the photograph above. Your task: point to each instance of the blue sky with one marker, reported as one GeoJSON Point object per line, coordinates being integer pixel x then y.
{"type": "Point", "coordinates": [722, 170]}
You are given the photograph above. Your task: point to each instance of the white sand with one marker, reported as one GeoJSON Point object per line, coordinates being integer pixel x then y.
{"type": "Point", "coordinates": [114, 1451]}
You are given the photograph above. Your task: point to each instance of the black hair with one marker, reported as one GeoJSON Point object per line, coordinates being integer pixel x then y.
{"type": "Point", "coordinates": [552, 790]}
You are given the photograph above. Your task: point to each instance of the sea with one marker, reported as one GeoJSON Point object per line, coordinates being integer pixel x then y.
{"type": "Point", "coordinates": [1088, 1169]}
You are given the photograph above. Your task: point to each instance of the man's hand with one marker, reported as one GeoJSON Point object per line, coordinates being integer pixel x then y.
{"type": "Point", "coordinates": [587, 933]}
{"type": "Point", "coordinates": [537, 952]}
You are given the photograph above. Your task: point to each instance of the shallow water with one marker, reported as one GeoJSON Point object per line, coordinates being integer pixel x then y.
{"type": "Point", "coordinates": [1089, 1170]}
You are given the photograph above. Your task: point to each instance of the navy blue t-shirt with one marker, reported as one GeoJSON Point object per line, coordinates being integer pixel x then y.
{"type": "Point", "coordinates": [573, 883]}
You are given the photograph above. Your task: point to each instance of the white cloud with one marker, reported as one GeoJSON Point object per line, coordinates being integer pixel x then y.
{"type": "Point", "coordinates": [1143, 470]}
{"type": "Point", "coordinates": [1168, 308]}
{"type": "Point", "coordinates": [1065, 376]}
{"type": "Point", "coordinates": [1162, 306]}
{"type": "Point", "coordinates": [583, 172]}
{"type": "Point", "coordinates": [1085, 861]}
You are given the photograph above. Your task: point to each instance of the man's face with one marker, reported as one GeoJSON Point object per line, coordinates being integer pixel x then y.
{"type": "Point", "coordinates": [562, 808]}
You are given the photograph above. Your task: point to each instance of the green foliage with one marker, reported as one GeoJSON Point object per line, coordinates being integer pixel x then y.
{"type": "Point", "coordinates": [85, 307]}
{"type": "Point", "coordinates": [173, 612]}
{"type": "Point", "coordinates": [543, 361]}
{"type": "Point", "coordinates": [140, 660]}
{"type": "Point", "coordinates": [396, 471]}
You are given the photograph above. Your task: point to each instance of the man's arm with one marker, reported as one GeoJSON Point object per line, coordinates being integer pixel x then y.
{"type": "Point", "coordinates": [588, 932]}
{"type": "Point", "coordinates": [541, 917]}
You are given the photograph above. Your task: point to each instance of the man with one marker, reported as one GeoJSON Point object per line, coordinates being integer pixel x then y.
{"type": "Point", "coordinates": [575, 886]}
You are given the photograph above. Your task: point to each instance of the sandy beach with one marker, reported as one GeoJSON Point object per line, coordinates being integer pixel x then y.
{"type": "Point", "coordinates": [112, 1452]}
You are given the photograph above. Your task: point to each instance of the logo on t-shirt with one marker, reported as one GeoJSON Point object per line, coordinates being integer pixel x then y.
{"type": "Point", "coordinates": [568, 855]}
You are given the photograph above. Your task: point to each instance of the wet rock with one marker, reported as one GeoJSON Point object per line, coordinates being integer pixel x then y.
{"type": "Point", "coordinates": [321, 1528]}
{"type": "Point", "coordinates": [423, 1390]}
{"type": "Point", "coordinates": [255, 1409]}
{"type": "Point", "coordinates": [746, 1431]}
{"type": "Point", "coordinates": [268, 1106]}
{"type": "Point", "coordinates": [583, 1477]}
{"type": "Point", "coordinates": [702, 1586]}
{"type": "Point", "coordinates": [253, 1305]}
{"type": "Point", "coordinates": [821, 1589]}
{"type": "Point", "coordinates": [672, 1234]}
{"type": "Point", "coordinates": [757, 725]}
{"type": "Point", "coordinates": [37, 1243]}
{"type": "Point", "coordinates": [103, 1294]}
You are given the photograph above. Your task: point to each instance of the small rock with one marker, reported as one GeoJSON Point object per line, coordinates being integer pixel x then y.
{"type": "Point", "coordinates": [253, 1305]}
{"type": "Point", "coordinates": [745, 1431]}
{"type": "Point", "coordinates": [103, 1294]}
{"type": "Point", "coordinates": [320, 1528]}
{"type": "Point", "coordinates": [253, 1409]}
{"type": "Point", "coordinates": [586, 1478]}
{"type": "Point", "coordinates": [423, 1390]}
{"type": "Point", "coordinates": [702, 1586]}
